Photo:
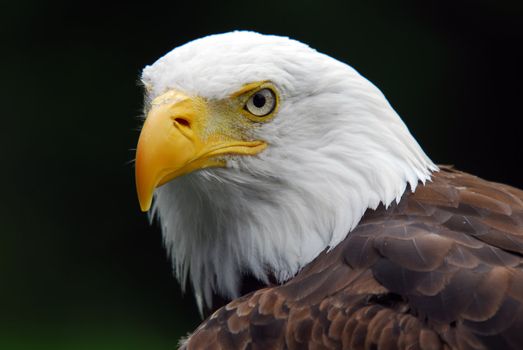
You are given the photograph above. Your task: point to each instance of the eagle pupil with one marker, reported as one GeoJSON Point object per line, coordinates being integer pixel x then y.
{"type": "Point", "coordinates": [258, 100]}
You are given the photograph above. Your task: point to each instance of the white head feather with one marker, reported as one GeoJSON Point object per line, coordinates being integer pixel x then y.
{"type": "Point", "coordinates": [336, 148]}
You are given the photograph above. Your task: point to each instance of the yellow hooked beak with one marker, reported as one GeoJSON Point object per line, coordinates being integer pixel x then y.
{"type": "Point", "coordinates": [176, 140]}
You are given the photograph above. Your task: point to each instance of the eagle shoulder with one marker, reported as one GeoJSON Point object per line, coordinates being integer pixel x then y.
{"type": "Point", "coordinates": [441, 269]}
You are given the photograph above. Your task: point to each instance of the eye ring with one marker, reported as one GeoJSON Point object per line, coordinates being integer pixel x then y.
{"type": "Point", "coordinates": [261, 103]}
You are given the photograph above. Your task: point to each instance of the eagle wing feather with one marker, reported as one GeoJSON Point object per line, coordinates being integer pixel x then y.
{"type": "Point", "coordinates": [441, 269]}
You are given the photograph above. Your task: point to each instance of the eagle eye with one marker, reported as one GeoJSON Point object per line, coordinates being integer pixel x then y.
{"type": "Point", "coordinates": [261, 103]}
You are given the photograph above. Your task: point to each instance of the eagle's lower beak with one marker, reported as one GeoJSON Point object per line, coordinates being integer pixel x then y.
{"type": "Point", "coordinates": [175, 141]}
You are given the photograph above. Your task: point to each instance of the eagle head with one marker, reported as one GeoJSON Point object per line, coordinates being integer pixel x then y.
{"type": "Point", "coordinates": [258, 153]}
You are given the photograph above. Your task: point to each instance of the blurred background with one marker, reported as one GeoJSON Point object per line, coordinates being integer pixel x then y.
{"type": "Point", "coordinates": [80, 266]}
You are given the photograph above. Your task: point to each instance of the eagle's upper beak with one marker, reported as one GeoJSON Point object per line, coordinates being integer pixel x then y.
{"type": "Point", "coordinates": [176, 140]}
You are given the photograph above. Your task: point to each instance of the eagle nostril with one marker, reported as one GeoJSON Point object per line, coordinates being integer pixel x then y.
{"type": "Point", "coordinates": [183, 122]}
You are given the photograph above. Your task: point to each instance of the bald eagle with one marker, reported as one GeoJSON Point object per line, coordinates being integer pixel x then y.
{"type": "Point", "coordinates": [284, 181]}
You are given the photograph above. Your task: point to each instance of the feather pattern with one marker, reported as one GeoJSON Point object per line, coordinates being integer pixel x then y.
{"type": "Point", "coordinates": [441, 269]}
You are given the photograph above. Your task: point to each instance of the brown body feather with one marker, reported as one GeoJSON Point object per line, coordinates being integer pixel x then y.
{"type": "Point", "coordinates": [443, 269]}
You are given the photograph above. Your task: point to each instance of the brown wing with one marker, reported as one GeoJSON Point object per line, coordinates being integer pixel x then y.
{"type": "Point", "coordinates": [443, 269]}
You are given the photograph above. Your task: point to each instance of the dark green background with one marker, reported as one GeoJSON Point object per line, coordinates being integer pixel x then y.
{"type": "Point", "coordinates": [80, 268]}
